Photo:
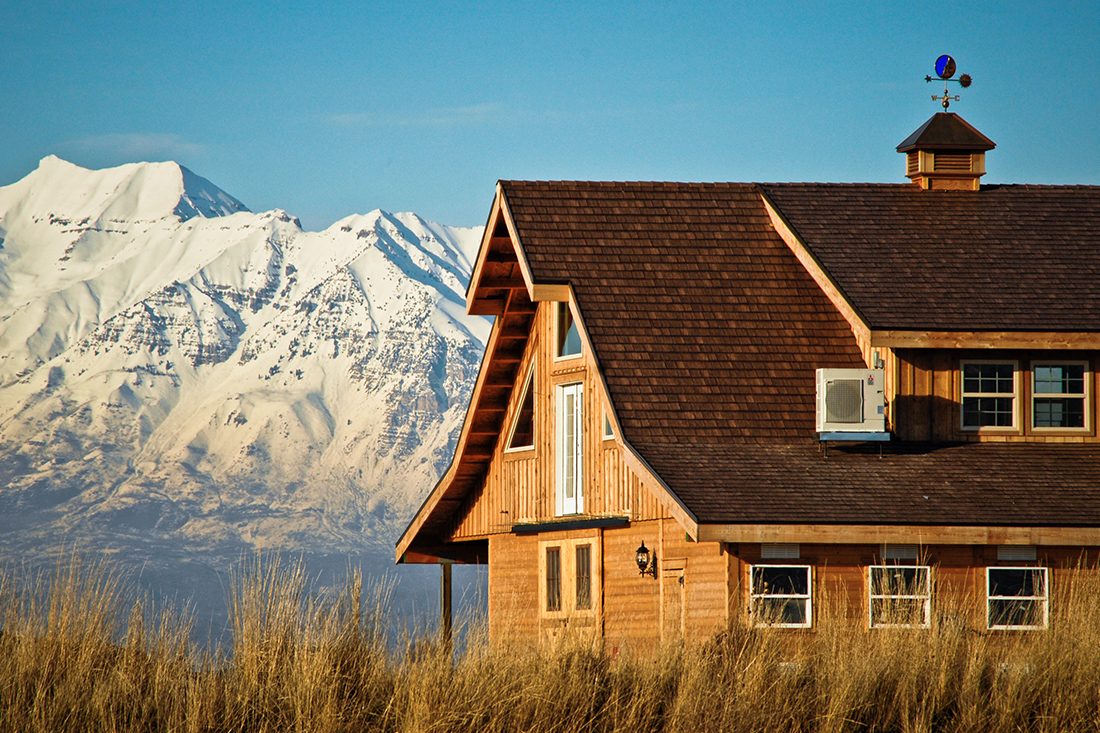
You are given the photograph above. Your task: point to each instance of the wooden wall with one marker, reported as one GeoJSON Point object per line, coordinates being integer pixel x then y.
{"type": "Point", "coordinates": [520, 485]}
{"type": "Point", "coordinates": [640, 612]}
{"type": "Point", "coordinates": [840, 577]}
{"type": "Point", "coordinates": [923, 390]}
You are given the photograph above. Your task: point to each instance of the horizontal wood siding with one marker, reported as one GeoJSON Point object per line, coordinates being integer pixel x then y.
{"type": "Point", "coordinates": [513, 590]}
{"type": "Point", "coordinates": [519, 486]}
{"type": "Point", "coordinates": [958, 573]}
{"type": "Point", "coordinates": [924, 392]}
{"type": "Point", "coordinates": [632, 602]}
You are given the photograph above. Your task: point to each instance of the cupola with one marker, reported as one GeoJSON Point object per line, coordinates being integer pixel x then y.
{"type": "Point", "coordinates": [946, 153]}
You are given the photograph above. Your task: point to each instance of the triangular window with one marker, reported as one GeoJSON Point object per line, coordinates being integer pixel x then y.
{"type": "Point", "coordinates": [568, 337]}
{"type": "Point", "coordinates": [523, 426]}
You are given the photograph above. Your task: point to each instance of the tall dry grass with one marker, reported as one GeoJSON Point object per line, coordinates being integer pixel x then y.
{"type": "Point", "coordinates": [79, 652]}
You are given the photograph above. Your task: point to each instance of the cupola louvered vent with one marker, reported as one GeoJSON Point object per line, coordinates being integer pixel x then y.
{"type": "Point", "coordinates": [912, 163]}
{"type": "Point", "coordinates": [952, 162]}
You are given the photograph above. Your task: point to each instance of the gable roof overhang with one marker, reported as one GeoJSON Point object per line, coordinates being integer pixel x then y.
{"type": "Point", "coordinates": [502, 285]}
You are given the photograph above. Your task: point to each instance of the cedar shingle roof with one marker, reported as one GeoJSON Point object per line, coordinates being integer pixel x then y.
{"type": "Point", "coordinates": [1005, 258]}
{"type": "Point", "coordinates": [984, 484]}
{"type": "Point", "coordinates": [705, 326]}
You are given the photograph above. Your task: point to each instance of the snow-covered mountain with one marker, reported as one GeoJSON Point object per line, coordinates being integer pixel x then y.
{"type": "Point", "coordinates": [182, 380]}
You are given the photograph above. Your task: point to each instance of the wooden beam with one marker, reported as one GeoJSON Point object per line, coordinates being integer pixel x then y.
{"type": "Point", "coordinates": [512, 282]}
{"type": "Point", "coordinates": [556, 292]}
{"type": "Point", "coordinates": [486, 307]}
{"type": "Point", "coordinates": [825, 281]}
{"type": "Point", "coordinates": [1051, 341]}
{"type": "Point", "coordinates": [828, 534]}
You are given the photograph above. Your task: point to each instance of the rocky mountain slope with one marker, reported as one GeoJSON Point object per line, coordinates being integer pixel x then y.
{"type": "Point", "coordinates": [183, 381]}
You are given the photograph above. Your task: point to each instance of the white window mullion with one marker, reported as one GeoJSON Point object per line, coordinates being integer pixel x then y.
{"type": "Point", "coordinates": [570, 498]}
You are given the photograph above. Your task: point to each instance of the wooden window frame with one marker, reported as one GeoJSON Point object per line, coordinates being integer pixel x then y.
{"type": "Point", "coordinates": [608, 430]}
{"type": "Point", "coordinates": [1043, 599]}
{"type": "Point", "coordinates": [925, 597]}
{"type": "Point", "coordinates": [563, 505]}
{"type": "Point", "coordinates": [567, 547]}
{"type": "Point", "coordinates": [807, 598]}
{"type": "Point", "coordinates": [1017, 398]}
{"type": "Point", "coordinates": [528, 387]}
{"type": "Point", "coordinates": [560, 308]}
{"type": "Point", "coordinates": [1085, 396]}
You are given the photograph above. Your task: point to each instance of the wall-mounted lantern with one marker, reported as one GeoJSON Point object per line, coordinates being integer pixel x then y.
{"type": "Point", "coordinates": [646, 566]}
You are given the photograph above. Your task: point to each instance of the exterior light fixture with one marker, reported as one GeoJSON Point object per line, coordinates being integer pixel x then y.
{"type": "Point", "coordinates": [646, 566]}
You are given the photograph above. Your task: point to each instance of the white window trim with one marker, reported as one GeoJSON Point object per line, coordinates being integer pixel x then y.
{"type": "Point", "coordinates": [528, 385]}
{"type": "Point", "coordinates": [568, 550]}
{"type": "Point", "coordinates": [1087, 395]}
{"type": "Point", "coordinates": [808, 597]}
{"type": "Point", "coordinates": [926, 597]}
{"type": "Point", "coordinates": [562, 505]}
{"type": "Point", "coordinates": [1017, 399]}
{"type": "Point", "coordinates": [558, 305]}
{"type": "Point", "coordinates": [1044, 599]}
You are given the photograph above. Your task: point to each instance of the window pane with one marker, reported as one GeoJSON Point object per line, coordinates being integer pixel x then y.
{"type": "Point", "coordinates": [569, 339]}
{"type": "Point", "coordinates": [987, 411]}
{"type": "Point", "coordinates": [898, 611]}
{"type": "Point", "coordinates": [780, 610]}
{"type": "Point", "coordinates": [1016, 582]}
{"type": "Point", "coordinates": [988, 378]}
{"type": "Point", "coordinates": [899, 581]}
{"type": "Point", "coordinates": [1060, 379]}
{"type": "Point", "coordinates": [553, 579]}
{"type": "Point", "coordinates": [584, 576]}
{"type": "Point", "coordinates": [1059, 413]}
{"type": "Point", "coordinates": [780, 580]}
{"type": "Point", "coordinates": [1007, 612]}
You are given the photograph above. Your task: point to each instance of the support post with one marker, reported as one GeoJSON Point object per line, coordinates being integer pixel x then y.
{"type": "Point", "coordinates": [445, 618]}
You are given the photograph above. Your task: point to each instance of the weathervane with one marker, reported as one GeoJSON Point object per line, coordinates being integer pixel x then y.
{"type": "Point", "coordinates": [945, 69]}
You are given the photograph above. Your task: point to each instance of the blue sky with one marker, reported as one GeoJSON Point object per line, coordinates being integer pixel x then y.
{"type": "Point", "coordinates": [331, 109]}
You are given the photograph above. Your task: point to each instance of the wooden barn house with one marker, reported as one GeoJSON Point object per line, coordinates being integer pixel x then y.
{"type": "Point", "coordinates": [711, 403]}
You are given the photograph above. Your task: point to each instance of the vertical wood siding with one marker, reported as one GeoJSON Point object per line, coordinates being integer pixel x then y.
{"type": "Point", "coordinates": [520, 485]}
{"type": "Point", "coordinates": [924, 391]}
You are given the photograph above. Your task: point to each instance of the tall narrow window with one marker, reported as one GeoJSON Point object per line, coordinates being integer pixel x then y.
{"type": "Point", "coordinates": [570, 445]}
{"type": "Point", "coordinates": [523, 427]}
{"type": "Point", "coordinates": [568, 337]}
{"type": "Point", "coordinates": [584, 576]}
{"type": "Point", "coordinates": [988, 395]}
{"type": "Point", "coordinates": [1058, 399]}
{"type": "Point", "coordinates": [1016, 598]}
{"type": "Point", "coordinates": [553, 578]}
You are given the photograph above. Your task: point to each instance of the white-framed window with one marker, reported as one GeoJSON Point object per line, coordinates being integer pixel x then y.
{"type": "Point", "coordinates": [569, 497]}
{"type": "Point", "coordinates": [570, 580]}
{"type": "Point", "coordinates": [899, 595]}
{"type": "Point", "coordinates": [522, 434]}
{"type": "Point", "coordinates": [781, 596]}
{"type": "Point", "coordinates": [1017, 598]}
{"type": "Point", "coordinates": [608, 430]}
{"type": "Point", "coordinates": [989, 395]}
{"type": "Point", "coordinates": [1059, 395]}
{"type": "Point", "coordinates": [567, 337]}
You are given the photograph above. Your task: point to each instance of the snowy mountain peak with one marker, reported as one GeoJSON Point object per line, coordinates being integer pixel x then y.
{"type": "Point", "coordinates": [182, 378]}
{"type": "Point", "coordinates": [65, 194]}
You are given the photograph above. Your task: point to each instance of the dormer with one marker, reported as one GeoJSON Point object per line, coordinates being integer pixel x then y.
{"type": "Point", "coordinates": [946, 153]}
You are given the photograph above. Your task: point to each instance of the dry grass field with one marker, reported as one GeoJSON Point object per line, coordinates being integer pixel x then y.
{"type": "Point", "coordinates": [77, 653]}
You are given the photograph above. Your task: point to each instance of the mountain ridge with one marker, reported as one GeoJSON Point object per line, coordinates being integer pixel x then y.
{"type": "Point", "coordinates": [182, 388]}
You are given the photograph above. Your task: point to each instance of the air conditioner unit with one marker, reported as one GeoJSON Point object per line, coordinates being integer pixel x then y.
{"type": "Point", "coordinates": [851, 404]}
